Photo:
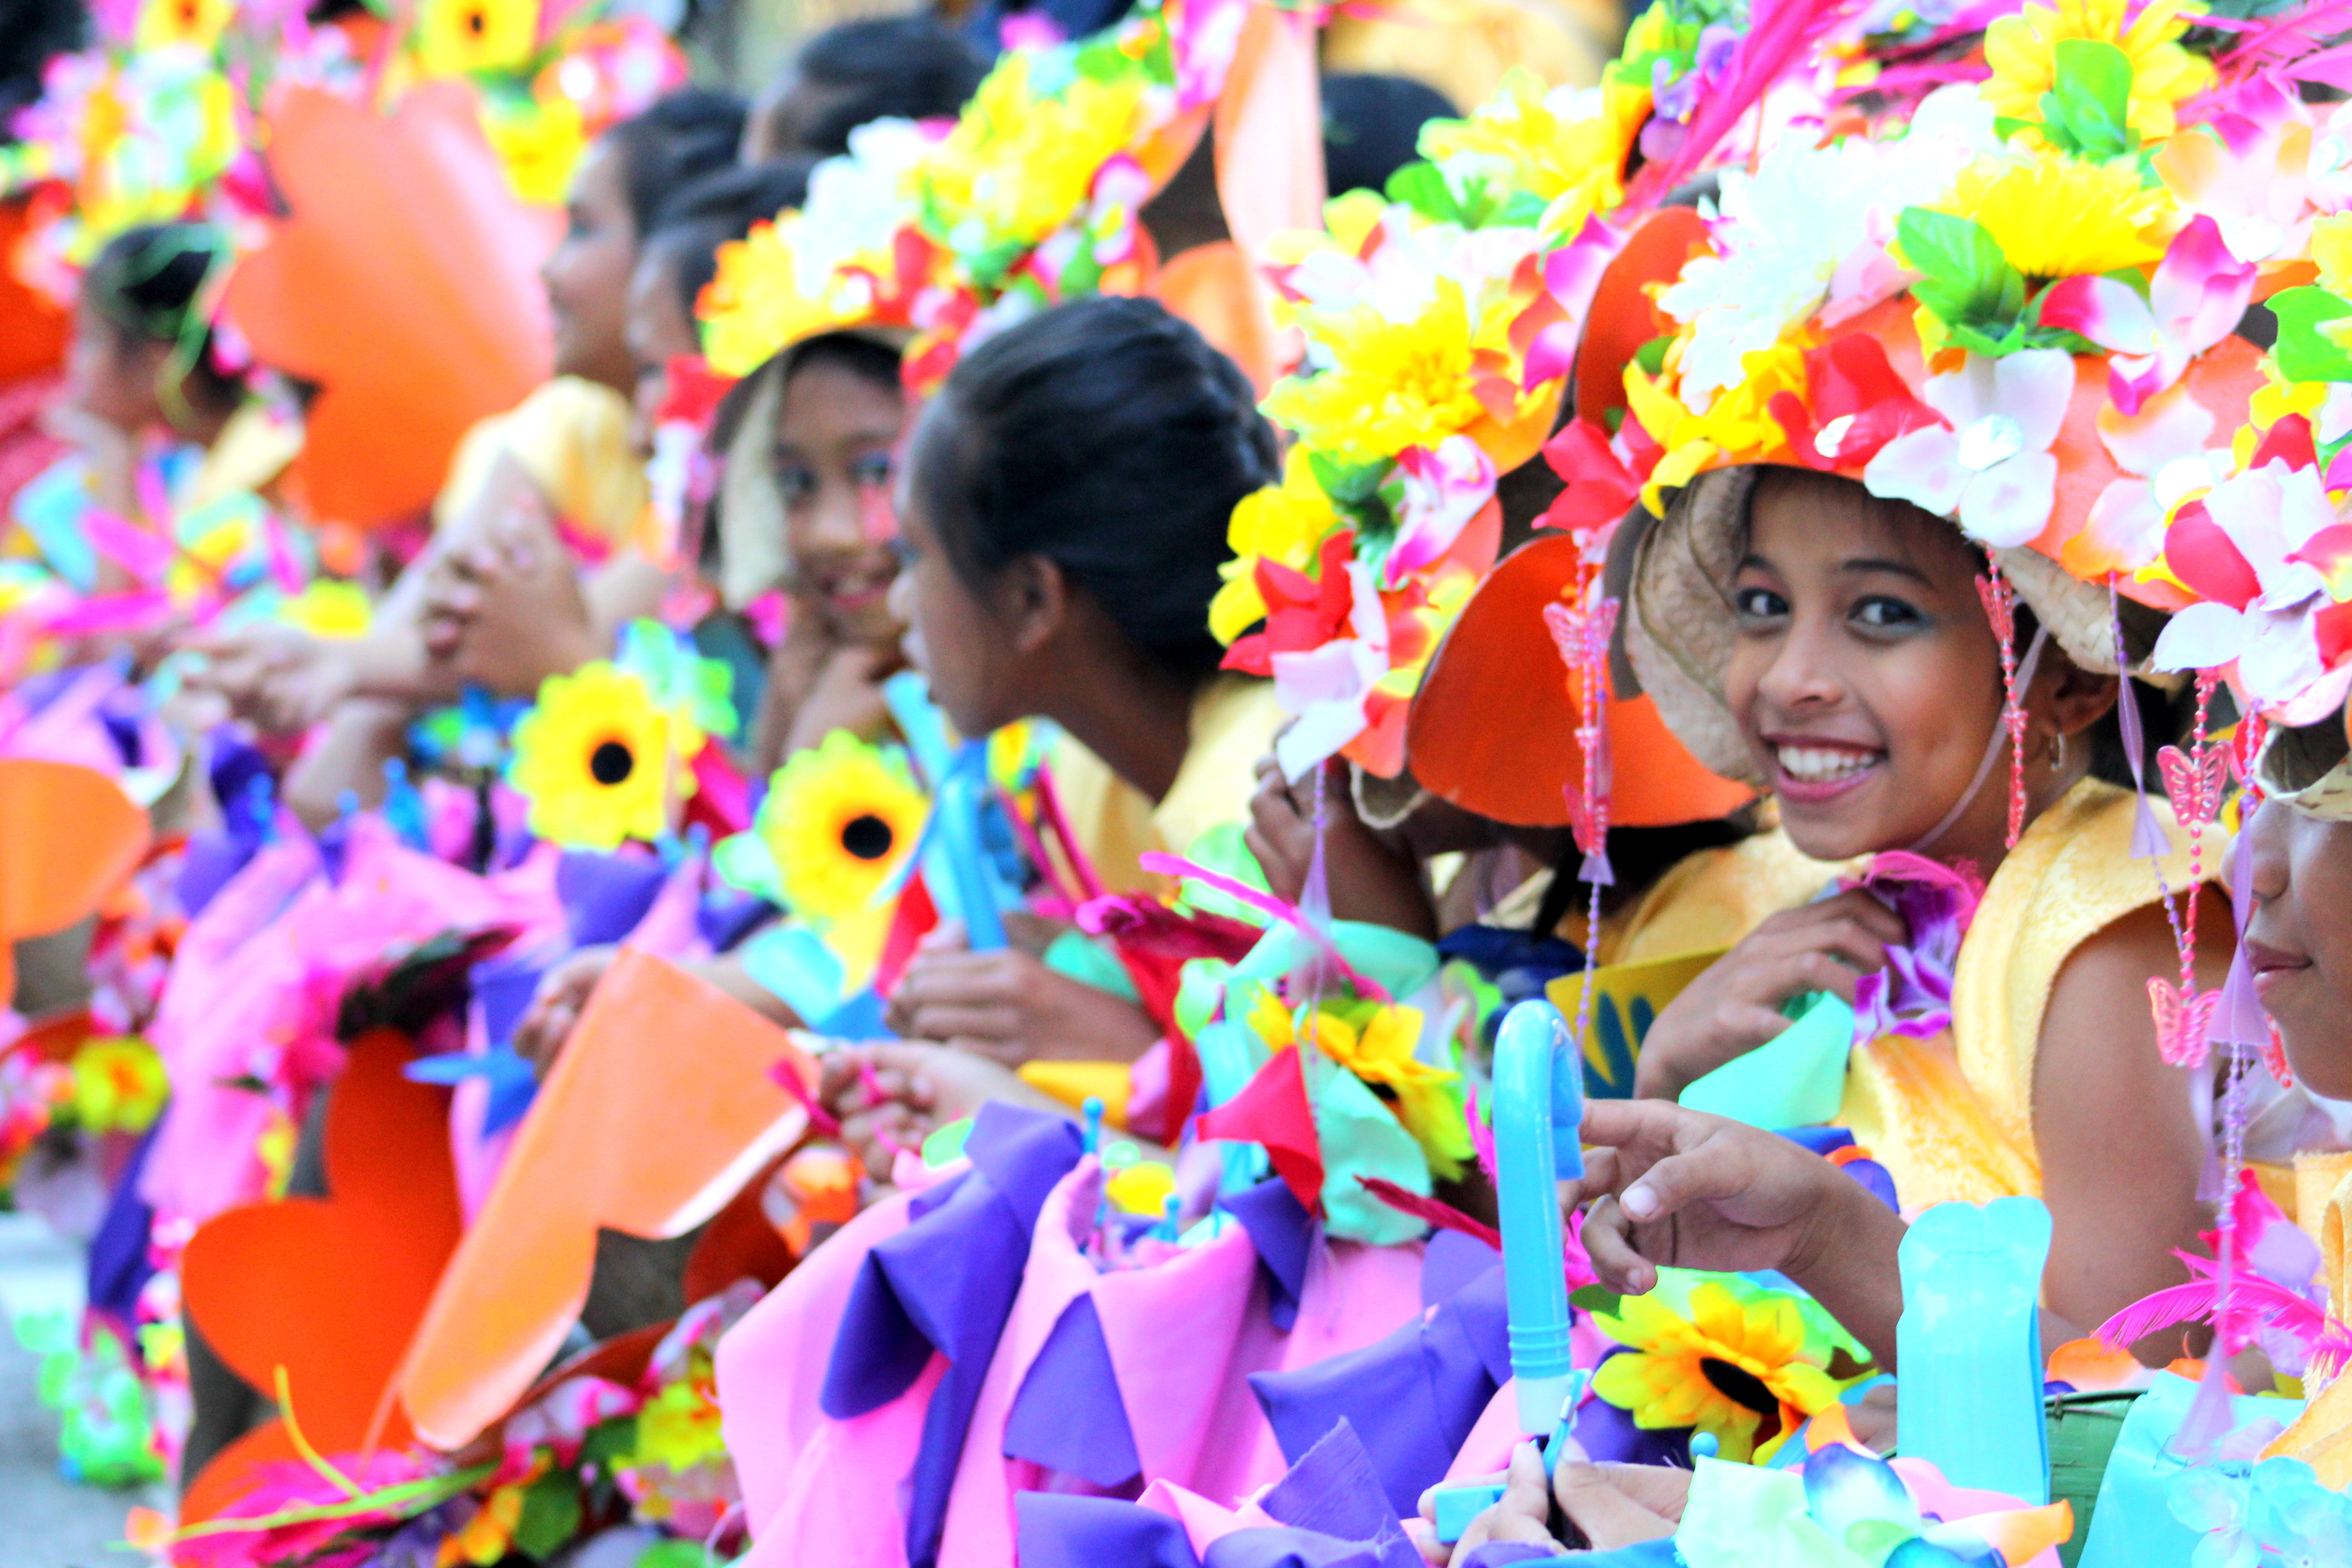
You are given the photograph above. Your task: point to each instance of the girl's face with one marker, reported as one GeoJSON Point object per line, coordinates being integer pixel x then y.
{"type": "Point", "coordinates": [109, 376]}
{"type": "Point", "coordinates": [659, 330]}
{"type": "Point", "coordinates": [2299, 937]}
{"type": "Point", "coordinates": [956, 637]}
{"type": "Point", "coordinates": [836, 433]}
{"type": "Point", "coordinates": [1866, 677]}
{"type": "Point", "coordinates": [587, 277]}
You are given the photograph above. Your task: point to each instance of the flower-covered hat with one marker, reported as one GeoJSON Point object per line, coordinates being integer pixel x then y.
{"type": "Point", "coordinates": [956, 231]}
{"type": "Point", "coordinates": [2016, 303]}
{"type": "Point", "coordinates": [1440, 327]}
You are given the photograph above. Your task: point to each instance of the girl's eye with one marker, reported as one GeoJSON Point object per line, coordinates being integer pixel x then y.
{"type": "Point", "coordinates": [1758, 603]}
{"type": "Point", "coordinates": [1883, 613]}
{"type": "Point", "coordinates": [873, 471]}
{"type": "Point", "coordinates": [795, 485]}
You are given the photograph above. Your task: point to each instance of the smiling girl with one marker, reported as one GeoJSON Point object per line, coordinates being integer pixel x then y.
{"type": "Point", "coordinates": [1832, 646]}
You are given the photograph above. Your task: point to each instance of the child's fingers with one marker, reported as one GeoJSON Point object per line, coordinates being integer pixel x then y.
{"type": "Point", "coordinates": [1607, 1518]}
{"type": "Point", "coordinates": [950, 1022]}
{"type": "Point", "coordinates": [1616, 1262]}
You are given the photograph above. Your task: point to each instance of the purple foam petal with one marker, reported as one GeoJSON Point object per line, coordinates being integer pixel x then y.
{"type": "Point", "coordinates": [1068, 1415]}
{"type": "Point", "coordinates": [1057, 1530]}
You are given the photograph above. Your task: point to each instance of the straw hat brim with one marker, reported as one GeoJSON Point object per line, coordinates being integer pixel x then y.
{"type": "Point", "coordinates": [2309, 767]}
{"type": "Point", "coordinates": [1681, 625]}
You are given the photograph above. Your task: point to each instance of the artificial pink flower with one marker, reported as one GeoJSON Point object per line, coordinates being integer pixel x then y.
{"type": "Point", "coordinates": [1990, 467]}
{"type": "Point", "coordinates": [1443, 489]}
{"type": "Point", "coordinates": [2196, 299]}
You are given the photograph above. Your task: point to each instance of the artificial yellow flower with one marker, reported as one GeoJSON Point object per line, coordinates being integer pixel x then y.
{"type": "Point", "coordinates": [1737, 427]}
{"type": "Point", "coordinates": [1425, 1098]}
{"type": "Point", "coordinates": [2331, 250]}
{"type": "Point", "coordinates": [485, 1538]}
{"type": "Point", "coordinates": [1729, 1368]}
{"type": "Point", "coordinates": [118, 1086]}
{"type": "Point", "coordinates": [166, 24]}
{"type": "Point", "coordinates": [1522, 139]}
{"type": "Point", "coordinates": [465, 37]}
{"type": "Point", "coordinates": [599, 762]}
{"type": "Point", "coordinates": [677, 1429]}
{"type": "Point", "coordinates": [1286, 523]}
{"type": "Point", "coordinates": [539, 142]}
{"type": "Point", "coordinates": [2022, 51]}
{"type": "Point", "coordinates": [1393, 384]}
{"type": "Point", "coordinates": [753, 307]}
{"type": "Point", "coordinates": [2055, 216]}
{"type": "Point", "coordinates": [839, 820]}
{"type": "Point", "coordinates": [1020, 163]}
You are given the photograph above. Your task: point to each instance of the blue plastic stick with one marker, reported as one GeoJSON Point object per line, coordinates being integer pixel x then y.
{"type": "Point", "coordinates": [1091, 1141]}
{"type": "Point", "coordinates": [919, 720]}
{"type": "Point", "coordinates": [1538, 1107]}
{"type": "Point", "coordinates": [958, 807]}
{"type": "Point", "coordinates": [1969, 1342]}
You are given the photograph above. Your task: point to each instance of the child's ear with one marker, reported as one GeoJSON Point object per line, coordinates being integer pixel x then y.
{"type": "Point", "coordinates": [2079, 698]}
{"type": "Point", "coordinates": [1034, 600]}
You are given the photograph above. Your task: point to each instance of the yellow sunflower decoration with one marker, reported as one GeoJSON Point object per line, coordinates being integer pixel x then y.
{"type": "Point", "coordinates": [837, 823]}
{"type": "Point", "coordinates": [600, 760]}
{"type": "Point", "coordinates": [464, 37]}
{"type": "Point", "coordinates": [1725, 1356]}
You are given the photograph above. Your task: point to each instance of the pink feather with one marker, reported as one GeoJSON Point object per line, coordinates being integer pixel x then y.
{"type": "Point", "coordinates": [1780, 35]}
{"type": "Point", "coordinates": [2281, 40]}
{"type": "Point", "coordinates": [2255, 1304]}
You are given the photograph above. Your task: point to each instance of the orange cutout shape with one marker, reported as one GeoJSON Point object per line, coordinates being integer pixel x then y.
{"type": "Point", "coordinates": [1493, 729]}
{"type": "Point", "coordinates": [658, 1111]}
{"type": "Point", "coordinates": [68, 837]}
{"type": "Point", "coordinates": [331, 1288]}
{"type": "Point", "coordinates": [405, 282]}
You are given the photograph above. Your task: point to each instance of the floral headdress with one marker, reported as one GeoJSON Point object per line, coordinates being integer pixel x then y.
{"type": "Point", "coordinates": [1441, 330]}
{"type": "Point", "coordinates": [957, 230]}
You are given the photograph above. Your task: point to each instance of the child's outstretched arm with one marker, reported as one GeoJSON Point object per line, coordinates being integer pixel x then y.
{"type": "Point", "coordinates": [1679, 1189]}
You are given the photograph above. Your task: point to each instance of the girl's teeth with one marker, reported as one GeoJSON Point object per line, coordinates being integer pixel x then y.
{"type": "Point", "coordinates": [1820, 766]}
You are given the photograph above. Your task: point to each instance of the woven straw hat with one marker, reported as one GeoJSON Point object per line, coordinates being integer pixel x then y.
{"type": "Point", "coordinates": [2310, 768]}
{"type": "Point", "coordinates": [1680, 623]}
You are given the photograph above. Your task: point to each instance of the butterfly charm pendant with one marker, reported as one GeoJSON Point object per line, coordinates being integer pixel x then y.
{"type": "Point", "coordinates": [2275, 1056]}
{"type": "Point", "coordinates": [2195, 792]}
{"type": "Point", "coordinates": [2182, 1014]}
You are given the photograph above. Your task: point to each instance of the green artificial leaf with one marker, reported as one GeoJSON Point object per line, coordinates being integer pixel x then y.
{"type": "Point", "coordinates": [1421, 187]}
{"type": "Point", "coordinates": [2006, 126]}
{"type": "Point", "coordinates": [551, 1516]}
{"type": "Point", "coordinates": [676, 1554]}
{"type": "Point", "coordinates": [1954, 250]}
{"type": "Point", "coordinates": [1523, 210]}
{"type": "Point", "coordinates": [2088, 107]}
{"type": "Point", "coordinates": [610, 1443]}
{"type": "Point", "coordinates": [1651, 356]}
{"type": "Point", "coordinates": [1598, 1299]}
{"type": "Point", "coordinates": [1347, 484]}
{"type": "Point", "coordinates": [2303, 353]}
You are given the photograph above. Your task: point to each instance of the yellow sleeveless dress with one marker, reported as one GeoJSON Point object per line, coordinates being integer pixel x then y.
{"type": "Point", "coordinates": [1951, 1117]}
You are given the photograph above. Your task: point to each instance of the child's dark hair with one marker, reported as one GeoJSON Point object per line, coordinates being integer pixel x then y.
{"type": "Point", "coordinates": [1108, 437]}
{"type": "Point", "coordinates": [149, 283]}
{"type": "Point", "coordinates": [720, 206]}
{"type": "Point", "coordinates": [907, 68]}
{"type": "Point", "coordinates": [865, 357]}
{"type": "Point", "coordinates": [686, 133]}
{"type": "Point", "coordinates": [1372, 127]}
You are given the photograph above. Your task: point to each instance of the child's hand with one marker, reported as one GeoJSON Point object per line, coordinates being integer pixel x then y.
{"type": "Point", "coordinates": [505, 610]}
{"type": "Point", "coordinates": [1609, 1506]}
{"type": "Point", "coordinates": [279, 680]}
{"type": "Point", "coordinates": [845, 694]}
{"type": "Point", "coordinates": [1369, 881]}
{"type": "Point", "coordinates": [891, 1095]}
{"type": "Point", "coordinates": [1735, 1006]}
{"type": "Point", "coordinates": [1009, 1006]}
{"type": "Point", "coordinates": [1679, 1189]}
{"type": "Point", "coordinates": [555, 1008]}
